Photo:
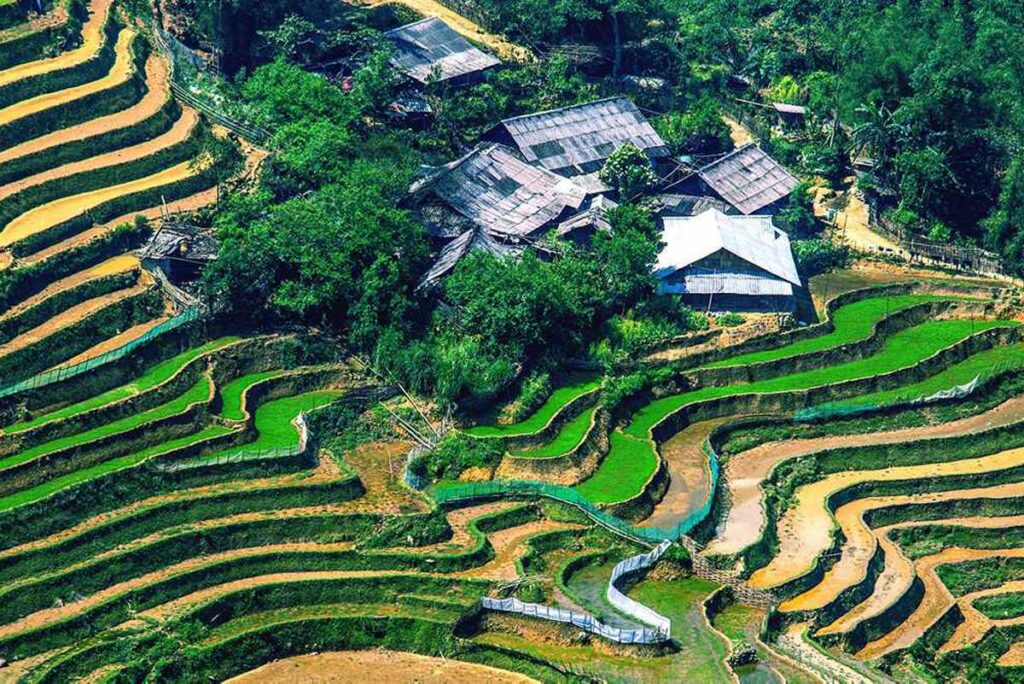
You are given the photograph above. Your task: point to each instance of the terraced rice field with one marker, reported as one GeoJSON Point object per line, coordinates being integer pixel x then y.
{"type": "Point", "coordinates": [820, 521]}
{"type": "Point", "coordinates": [182, 512]}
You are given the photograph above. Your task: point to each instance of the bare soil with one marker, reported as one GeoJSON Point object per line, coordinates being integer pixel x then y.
{"type": "Point", "coordinates": [375, 667]}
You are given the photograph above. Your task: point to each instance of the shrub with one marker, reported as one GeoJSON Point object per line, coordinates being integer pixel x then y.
{"type": "Point", "coordinates": [456, 454]}
{"type": "Point", "coordinates": [698, 130]}
{"type": "Point", "coordinates": [818, 256]}
{"type": "Point", "coordinates": [730, 320]}
{"type": "Point", "coordinates": [535, 391]}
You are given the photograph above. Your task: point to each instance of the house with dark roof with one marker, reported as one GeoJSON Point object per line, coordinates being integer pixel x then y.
{"type": "Point", "coordinates": [747, 179]}
{"type": "Point", "coordinates": [430, 51]}
{"type": "Point", "coordinates": [719, 262]}
{"type": "Point", "coordinates": [181, 252]}
{"type": "Point", "coordinates": [577, 140]}
{"type": "Point", "coordinates": [491, 199]}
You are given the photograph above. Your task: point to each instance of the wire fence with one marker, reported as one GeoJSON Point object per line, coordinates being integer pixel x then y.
{"type": "Point", "coordinates": [65, 372]}
{"type": "Point", "coordinates": [632, 608]}
{"type": "Point", "coordinates": [826, 411]}
{"type": "Point", "coordinates": [450, 493]}
{"type": "Point", "coordinates": [656, 628]}
{"type": "Point", "coordinates": [246, 455]}
{"type": "Point", "coordinates": [175, 53]}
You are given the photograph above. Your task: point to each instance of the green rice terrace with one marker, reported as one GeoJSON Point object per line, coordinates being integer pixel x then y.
{"type": "Point", "coordinates": [189, 495]}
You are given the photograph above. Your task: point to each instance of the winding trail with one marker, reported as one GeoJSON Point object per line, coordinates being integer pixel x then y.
{"type": "Point", "coordinates": [121, 72]}
{"type": "Point", "coordinates": [805, 529]}
{"type": "Point", "coordinates": [181, 131]}
{"type": "Point", "coordinates": [157, 95]}
{"type": "Point", "coordinates": [92, 41]}
{"type": "Point", "coordinates": [42, 218]}
{"type": "Point", "coordinates": [745, 473]}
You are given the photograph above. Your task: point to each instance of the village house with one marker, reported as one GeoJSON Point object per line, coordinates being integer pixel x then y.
{"type": "Point", "coordinates": [747, 179]}
{"type": "Point", "coordinates": [429, 51]}
{"type": "Point", "coordinates": [491, 199]}
{"type": "Point", "coordinates": [576, 141]}
{"type": "Point", "coordinates": [719, 262]}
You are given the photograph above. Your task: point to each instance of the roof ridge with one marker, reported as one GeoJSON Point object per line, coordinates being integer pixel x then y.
{"type": "Point", "coordinates": [415, 23]}
{"type": "Point", "coordinates": [568, 107]}
{"type": "Point", "coordinates": [721, 159]}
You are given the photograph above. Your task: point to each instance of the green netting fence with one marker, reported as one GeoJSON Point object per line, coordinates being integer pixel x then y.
{"type": "Point", "coordinates": [66, 372]}
{"type": "Point", "coordinates": [839, 410]}
{"type": "Point", "coordinates": [455, 492]}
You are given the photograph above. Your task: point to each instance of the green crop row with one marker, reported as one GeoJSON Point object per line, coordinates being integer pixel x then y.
{"type": "Point", "coordinates": [14, 206]}
{"type": "Point", "coordinates": [81, 336]}
{"type": "Point", "coordinates": [91, 106]}
{"type": "Point", "coordinates": [77, 150]}
{"type": "Point", "coordinates": [90, 70]}
{"type": "Point", "coordinates": [32, 317]}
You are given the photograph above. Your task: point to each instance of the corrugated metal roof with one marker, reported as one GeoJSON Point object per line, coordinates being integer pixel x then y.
{"type": "Point", "coordinates": [788, 108]}
{"type": "Point", "coordinates": [578, 139]}
{"type": "Point", "coordinates": [671, 204]}
{"type": "Point", "coordinates": [430, 44]}
{"type": "Point", "coordinates": [458, 248]}
{"type": "Point", "coordinates": [751, 284]}
{"type": "Point", "coordinates": [748, 179]}
{"type": "Point", "coordinates": [754, 239]}
{"type": "Point", "coordinates": [595, 216]}
{"type": "Point", "coordinates": [499, 192]}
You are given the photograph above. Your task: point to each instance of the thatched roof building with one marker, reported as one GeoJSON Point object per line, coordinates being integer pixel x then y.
{"type": "Point", "coordinates": [429, 50]}
{"type": "Point", "coordinates": [577, 140]}
{"type": "Point", "coordinates": [728, 263]}
{"type": "Point", "coordinates": [748, 179]}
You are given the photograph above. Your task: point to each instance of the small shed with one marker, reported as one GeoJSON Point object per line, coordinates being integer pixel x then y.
{"type": "Point", "coordinates": [747, 179]}
{"type": "Point", "coordinates": [180, 252]}
{"type": "Point", "coordinates": [430, 51]}
{"type": "Point", "coordinates": [493, 189]}
{"type": "Point", "coordinates": [592, 219]}
{"type": "Point", "coordinates": [718, 262]}
{"type": "Point", "coordinates": [791, 117]}
{"type": "Point", "coordinates": [577, 140]}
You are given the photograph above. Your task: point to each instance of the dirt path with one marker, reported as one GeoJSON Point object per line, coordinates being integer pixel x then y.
{"type": "Point", "coordinates": [375, 667]}
{"type": "Point", "coordinates": [431, 8]}
{"type": "Point", "coordinates": [509, 546]}
{"type": "Point", "coordinates": [113, 266]}
{"type": "Point", "coordinates": [191, 203]}
{"type": "Point", "coordinates": [689, 474]}
{"type": "Point", "coordinates": [41, 219]}
{"type": "Point", "coordinates": [852, 223]}
{"type": "Point", "coordinates": [120, 73]}
{"type": "Point", "coordinates": [831, 670]}
{"type": "Point", "coordinates": [805, 529]}
{"type": "Point", "coordinates": [73, 315]}
{"type": "Point", "coordinates": [936, 600]}
{"type": "Point", "coordinates": [92, 41]}
{"type": "Point", "coordinates": [152, 102]}
{"type": "Point", "coordinates": [745, 473]}
{"type": "Point", "coordinates": [180, 132]}
{"type": "Point", "coordinates": [976, 624]}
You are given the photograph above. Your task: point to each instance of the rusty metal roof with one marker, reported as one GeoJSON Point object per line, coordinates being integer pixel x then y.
{"type": "Point", "coordinates": [429, 46]}
{"type": "Point", "coordinates": [497, 191]}
{"type": "Point", "coordinates": [748, 179]}
{"type": "Point", "coordinates": [577, 140]}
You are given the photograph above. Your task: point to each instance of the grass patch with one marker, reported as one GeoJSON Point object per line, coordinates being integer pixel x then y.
{"type": "Point", "coordinates": [1001, 607]}
{"type": "Point", "coordinates": [852, 323]}
{"type": "Point", "coordinates": [565, 441]}
{"type": "Point", "coordinates": [624, 472]}
{"type": "Point", "coordinates": [902, 350]}
{"type": "Point", "coordinates": [981, 365]}
{"type": "Point", "coordinates": [231, 393]}
{"type": "Point", "coordinates": [555, 403]}
{"type": "Point", "coordinates": [196, 394]}
{"type": "Point", "coordinates": [155, 375]}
